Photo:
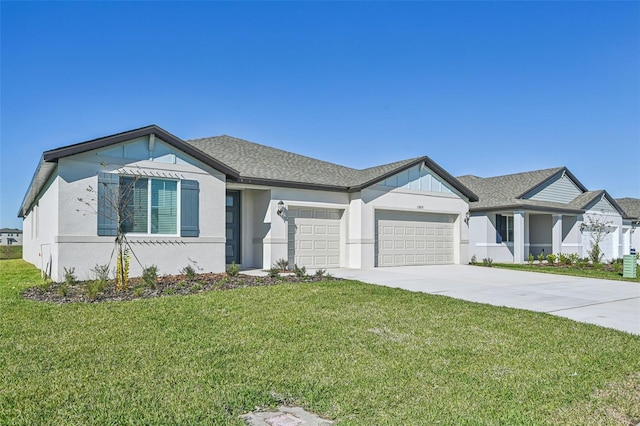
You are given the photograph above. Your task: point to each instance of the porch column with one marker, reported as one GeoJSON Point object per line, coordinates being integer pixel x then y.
{"type": "Point", "coordinates": [518, 237]}
{"type": "Point", "coordinates": [556, 234]}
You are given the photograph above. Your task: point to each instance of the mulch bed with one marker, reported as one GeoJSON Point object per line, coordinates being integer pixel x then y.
{"type": "Point", "coordinates": [168, 285]}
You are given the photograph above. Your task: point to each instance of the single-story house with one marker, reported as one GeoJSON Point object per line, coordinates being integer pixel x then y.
{"type": "Point", "coordinates": [630, 223]}
{"type": "Point", "coordinates": [215, 201]}
{"type": "Point", "coordinates": [10, 237]}
{"type": "Point", "coordinates": [540, 212]}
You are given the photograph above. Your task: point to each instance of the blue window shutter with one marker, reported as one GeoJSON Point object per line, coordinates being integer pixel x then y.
{"type": "Point", "coordinates": [107, 197]}
{"type": "Point", "coordinates": [190, 208]}
{"type": "Point", "coordinates": [499, 220]}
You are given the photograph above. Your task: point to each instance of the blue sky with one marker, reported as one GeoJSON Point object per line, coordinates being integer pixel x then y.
{"type": "Point", "coordinates": [484, 88]}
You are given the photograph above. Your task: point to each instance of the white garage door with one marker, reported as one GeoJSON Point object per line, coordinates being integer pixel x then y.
{"type": "Point", "coordinates": [607, 244]}
{"type": "Point", "coordinates": [314, 237]}
{"type": "Point", "coordinates": [413, 239]}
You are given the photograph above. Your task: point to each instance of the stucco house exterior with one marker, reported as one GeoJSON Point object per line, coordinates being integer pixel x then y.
{"type": "Point", "coordinates": [630, 223]}
{"type": "Point", "coordinates": [541, 211]}
{"type": "Point", "coordinates": [214, 201]}
{"type": "Point", "coordinates": [10, 237]}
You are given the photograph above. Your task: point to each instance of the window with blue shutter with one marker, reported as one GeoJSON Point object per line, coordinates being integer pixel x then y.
{"type": "Point", "coordinates": [147, 206]}
{"type": "Point", "coordinates": [189, 210]}
{"type": "Point", "coordinates": [107, 198]}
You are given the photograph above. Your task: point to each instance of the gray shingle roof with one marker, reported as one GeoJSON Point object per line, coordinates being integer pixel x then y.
{"type": "Point", "coordinates": [631, 207]}
{"type": "Point", "coordinates": [505, 191]}
{"type": "Point", "coordinates": [260, 162]}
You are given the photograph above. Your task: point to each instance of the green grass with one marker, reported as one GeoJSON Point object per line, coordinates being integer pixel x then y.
{"type": "Point", "coordinates": [573, 271]}
{"type": "Point", "coordinates": [356, 353]}
{"type": "Point", "coordinates": [10, 252]}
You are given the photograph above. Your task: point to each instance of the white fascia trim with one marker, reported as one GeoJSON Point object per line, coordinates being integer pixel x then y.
{"type": "Point", "coordinates": [148, 239]}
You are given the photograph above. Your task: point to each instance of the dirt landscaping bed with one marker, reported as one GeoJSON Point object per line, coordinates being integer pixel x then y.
{"type": "Point", "coordinates": [167, 285]}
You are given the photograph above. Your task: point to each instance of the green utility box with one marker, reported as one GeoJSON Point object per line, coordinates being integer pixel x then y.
{"type": "Point", "coordinates": [629, 269]}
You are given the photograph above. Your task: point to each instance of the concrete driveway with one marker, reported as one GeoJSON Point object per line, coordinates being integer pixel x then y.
{"type": "Point", "coordinates": [613, 304]}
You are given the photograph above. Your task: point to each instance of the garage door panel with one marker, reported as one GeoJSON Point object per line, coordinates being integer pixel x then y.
{"type": "Point", "coordinates": [314, 237]}
{"type": "Point", "coordinates": [416, 239]}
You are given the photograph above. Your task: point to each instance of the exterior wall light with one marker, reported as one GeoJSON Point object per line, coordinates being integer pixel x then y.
{"type": "Point", "coordinates": [466, 218]}
{"type": "Point", "coordinates": [280, 208]}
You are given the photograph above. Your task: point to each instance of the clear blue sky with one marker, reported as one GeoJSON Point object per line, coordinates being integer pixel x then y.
{"type": "Point", "coordinates": [484, 88]}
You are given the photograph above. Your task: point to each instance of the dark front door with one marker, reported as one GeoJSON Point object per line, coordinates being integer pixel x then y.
{"type": "Point", "coordinates": [232, 248]}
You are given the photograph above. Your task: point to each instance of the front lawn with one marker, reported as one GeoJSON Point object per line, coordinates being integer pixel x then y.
{"type": "Point", "coordinates": [589, 272]}
{"type": "Point", "coordinates": [357, 353]}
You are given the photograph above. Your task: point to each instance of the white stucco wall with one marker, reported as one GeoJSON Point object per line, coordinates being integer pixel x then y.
{"type": "Point", "coordinates": [40, 227]}
{"type": "Point", "coordinates": [70, 227]}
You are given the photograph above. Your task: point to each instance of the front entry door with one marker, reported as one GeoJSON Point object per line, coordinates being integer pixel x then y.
{"type": "Point", "coordinates": [232, 248]}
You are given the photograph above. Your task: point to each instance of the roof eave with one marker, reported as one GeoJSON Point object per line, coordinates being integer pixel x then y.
{"type": "Point", "coordinates": [56, 154]}
{"type": "Point", "coordinates": [430, 164]}
{"type": "Point", "coordinates": [475, 209]}
{"type": "Point", "coordinates": [289, 184]}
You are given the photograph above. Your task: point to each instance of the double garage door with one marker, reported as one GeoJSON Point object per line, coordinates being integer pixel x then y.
{"type": "Point", "coordinates": [314, 237]}
{"type": "Point", "coordinates": [400, 238]}
{"type": "Point", "coordinates": [413, 238]}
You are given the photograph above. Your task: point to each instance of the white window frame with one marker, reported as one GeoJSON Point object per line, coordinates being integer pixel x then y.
{"type": "Point", "coordinates": [149, 208]}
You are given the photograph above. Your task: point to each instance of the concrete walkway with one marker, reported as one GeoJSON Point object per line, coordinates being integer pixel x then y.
{"type": "Point", "coordinates": [613, 304]}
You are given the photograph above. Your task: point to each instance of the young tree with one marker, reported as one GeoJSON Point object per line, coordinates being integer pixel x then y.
{"type": "Point", "coordinates": [599, 228]}
{"type": "Point", "coordinates": [118, 206]}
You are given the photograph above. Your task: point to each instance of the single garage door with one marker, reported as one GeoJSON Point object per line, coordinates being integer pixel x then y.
{"type": "Point", "coordinates": [314, 237]}
{"type": "Point", "coordinates": [413, 238]}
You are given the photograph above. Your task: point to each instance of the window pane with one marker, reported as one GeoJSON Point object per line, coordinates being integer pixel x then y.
{"type": "Point", "coordinates": [164, 206]}
{"type": "Point", "coordinates": [133, 204]}
{"type": "Point", "coordinates": [510, 225]}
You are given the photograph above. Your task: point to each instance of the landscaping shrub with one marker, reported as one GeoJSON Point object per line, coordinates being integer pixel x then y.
{"type": "Point", "coordinates": [150, 276]}
{"type": "Point", "coordinates": [273, 272]}
{"type": "Point", "coordinates": [300, 272]}
{"type": "Point", "coordinates": [530, 259]}
{"type": "Point", "coordinates": [551, 259]}
{"type": "Point", "coordinates": [233, 270]}
{"type": "Point", "coordinates": [541, 257]}
{"type": "Point", "coordinates": [189, 272]}
{"type": "Point", "coordinates": [320, 272]}
{"type": "Point", "coordinates": [474, 260]}
{"type": "Point", "coordinates": [487, 261]}
{"type": "Point", "coordinates": [282, 265]}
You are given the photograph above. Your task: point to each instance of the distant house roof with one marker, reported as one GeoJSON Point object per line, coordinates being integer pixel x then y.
{"type": "Point", "coordinates": [631, 207]}
{"type": "Point", "coordinates": [247, 162]}
{"type": "Point", "coordinates": [508, 192]}
{"type": "Point", "coordinates": [10, 231]}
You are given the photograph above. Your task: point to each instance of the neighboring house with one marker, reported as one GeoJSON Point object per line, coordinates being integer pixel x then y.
{"type": "Point", "coordinates": [630, 223]}
{"type": "Point", "coordinates": [10, 237]}
{"type": "Point", "coordinates": [214, 201]}
{"type": "Point", "coordinates": [541, 211]}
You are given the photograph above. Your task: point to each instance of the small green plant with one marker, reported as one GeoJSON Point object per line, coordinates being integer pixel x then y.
{"type": "Point", "coordinates": [595, 254]}
{"type": "Point", "coordinates": [63, 289]}
{"type": "Point", "coordinates": [282, 265]}
{"type": "Point", "coordinates": [474, 260]}
{"type": "Point", "coordinates": [541, 257]}
{"type": "Point", "coordinates": [233, 270]}
{"type": "Point", "coordinates": [189, 272]}
{"type": "Point", "coordinates": [320, 272]}
{"type": "Point", "coordinates": [551, 258]}
{"type": "Point", "coordinates": [69, 276]}
{"type": "Point", "coordinates": [573, 257]}
{"type": "Point", "coordinates": [45, 285]}
{"type": "Point", "coordinates": [169, 291]}
{"type": "Point", "coordinates": [196, 287]}
{"type": "Point", "coordinates": [101, 273]}
{"type": "Point", "coordinates": [273, 272]}
{"type": "Point", "coordinates": [530, 258]}
{"type": "Point", "coordinates": [487, 261]}
{"type": "Point", "coordinates": [150, 276]}
{"type": "Point", "coordinates": [138, 291]}
{"type": "Point", "coordinates": [563, 259]}
{"type": "Point", "coordinates": [300, 272]}
{"type": "Point", "coordinates": [94, 288]}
